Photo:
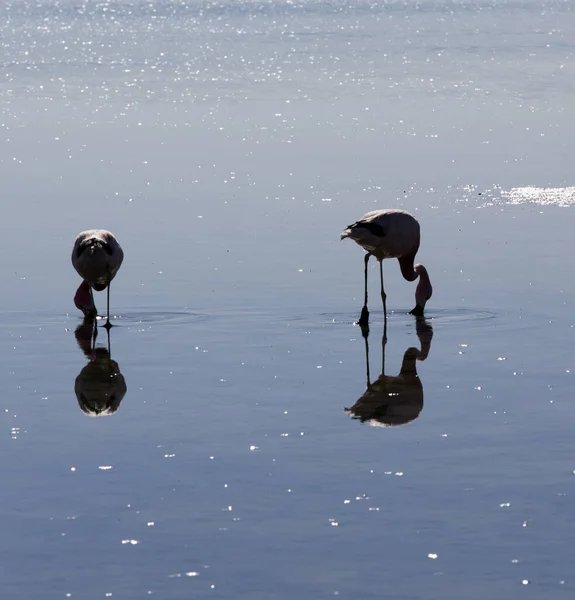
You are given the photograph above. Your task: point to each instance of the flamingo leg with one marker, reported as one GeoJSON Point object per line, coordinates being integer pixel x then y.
{"type": "Point", "coordinates": [383, 295]}
{"type": "Point", "coordinates": [108, 324]}
{"type": "Point", "coordinates": [95, 314]}
{"type": "Point", "coordinates": [364, 318]}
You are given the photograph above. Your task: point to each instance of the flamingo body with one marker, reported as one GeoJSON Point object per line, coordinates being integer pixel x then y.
{"type": "Point", "coordinates": [389, 233]}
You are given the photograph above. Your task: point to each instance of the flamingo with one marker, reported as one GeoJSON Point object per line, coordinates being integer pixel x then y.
{"type": "Point", "coordinates": [96, 256]}
{"type": "Point", "coordinates": [391, 233]}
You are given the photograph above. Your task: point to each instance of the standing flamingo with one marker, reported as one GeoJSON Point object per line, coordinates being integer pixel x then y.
{"type": "Point", "coordinates": [391, 233]}
{"type": "Point", "coordinates": [96, 256]}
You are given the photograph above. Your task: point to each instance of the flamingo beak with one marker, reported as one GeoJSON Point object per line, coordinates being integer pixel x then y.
{"type": "Point", "coordinates": [89, 314]}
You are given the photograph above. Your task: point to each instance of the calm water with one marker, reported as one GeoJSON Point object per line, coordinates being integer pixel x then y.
{"type": "Point", "coordinates": [227, 144]}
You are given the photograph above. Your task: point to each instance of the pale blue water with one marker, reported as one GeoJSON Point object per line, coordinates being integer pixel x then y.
{"type": "Point", "coordinates": [227, 145]}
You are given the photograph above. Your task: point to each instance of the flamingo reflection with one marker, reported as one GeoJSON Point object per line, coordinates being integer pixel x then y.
{"type": "Point", "coordinates": [100, 386]}
{"type": "Point", "coordinates": [393, 400]}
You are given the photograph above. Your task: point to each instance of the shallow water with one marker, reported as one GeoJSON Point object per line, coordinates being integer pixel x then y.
{"type": "Point", "coordinates": [227, 145]}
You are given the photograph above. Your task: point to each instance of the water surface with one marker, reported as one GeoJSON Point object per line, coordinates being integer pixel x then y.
{"type": "Point", "coordinates": [226, 145]}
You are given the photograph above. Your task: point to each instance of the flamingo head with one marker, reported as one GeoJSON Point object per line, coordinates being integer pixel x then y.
{"type": "Point", "coordinates": [84, 301]}
{"type": "Point", "coordinates": [423, 291]}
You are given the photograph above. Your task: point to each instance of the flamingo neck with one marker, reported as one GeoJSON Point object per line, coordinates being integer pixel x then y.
{"type": "Point", "coordinates": [421, 272]}
{"type": "Point", "coordinates": [408, 271]}
{"type": "Point", "coordinates": [424, 290]}
{"type": "Point", "coordinates": [83, 299]}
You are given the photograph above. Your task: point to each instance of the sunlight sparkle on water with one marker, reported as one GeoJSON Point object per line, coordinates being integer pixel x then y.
{"type": "Point", "coordinates": [538, 195]}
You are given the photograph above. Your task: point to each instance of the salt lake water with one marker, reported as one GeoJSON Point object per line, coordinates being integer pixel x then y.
{"type": "Point", "coordinates": [238, 452]}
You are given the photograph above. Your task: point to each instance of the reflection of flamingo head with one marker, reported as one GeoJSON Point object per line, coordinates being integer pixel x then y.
{"type": "Point", "coordinates": [84, 301]}
{"type": "Point", "coordinates": [424, 331]}
{"type": "Point", "coordinates": [83, 334]}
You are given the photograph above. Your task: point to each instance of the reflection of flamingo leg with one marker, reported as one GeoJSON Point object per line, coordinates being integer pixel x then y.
{"type": "Point", "coordinates": [383, 344]}
{"type": "Point", "coordinates": [95, 335]}
{"type": "Point", "coordinates": [368, 385]}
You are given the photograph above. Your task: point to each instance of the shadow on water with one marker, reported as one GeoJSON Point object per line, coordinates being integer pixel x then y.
{"type": "Point", "coordinates": [100, 386]}
{"type": "Point", "coordinates": [393, 400]}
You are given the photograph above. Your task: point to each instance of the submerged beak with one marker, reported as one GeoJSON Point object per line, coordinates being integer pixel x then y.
{"type": "Point", "coordinates": [417, 311]}
{"type": "Point", "coordinates": [89, 313]}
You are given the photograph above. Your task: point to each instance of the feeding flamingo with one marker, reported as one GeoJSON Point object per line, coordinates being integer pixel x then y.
{"type": "Point", "coordinates": [96, 256]}
{"type": "Point", "coordinates": [391, 233]}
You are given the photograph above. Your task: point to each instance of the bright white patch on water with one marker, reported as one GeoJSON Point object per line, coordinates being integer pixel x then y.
{"type": "Point", "coordinates": [537, 195]}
